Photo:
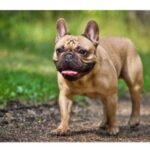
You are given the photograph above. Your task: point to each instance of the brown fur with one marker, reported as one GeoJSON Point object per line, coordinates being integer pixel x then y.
{"type": "Point", "coordinates": [115, 58]}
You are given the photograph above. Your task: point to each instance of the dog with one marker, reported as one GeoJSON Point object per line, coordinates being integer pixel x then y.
{"type": "Point", "coordinates": [91, 65]}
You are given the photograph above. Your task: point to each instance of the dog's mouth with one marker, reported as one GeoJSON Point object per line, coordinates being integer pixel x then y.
{"type": "Point", "coordinates": [74, 73]}
{"type": "Point", "coordinates": [70, 73]}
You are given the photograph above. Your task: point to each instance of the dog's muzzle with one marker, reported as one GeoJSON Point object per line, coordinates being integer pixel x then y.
{"type": "Point", "coordinates": [68, 57]}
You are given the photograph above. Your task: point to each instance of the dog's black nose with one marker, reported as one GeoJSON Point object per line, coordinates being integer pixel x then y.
{"type": "Point", "coordinates": [68, 57]}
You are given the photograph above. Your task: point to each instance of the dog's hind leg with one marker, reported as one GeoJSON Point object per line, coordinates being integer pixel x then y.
{"type": "Point", "coordinates": [133, 76]}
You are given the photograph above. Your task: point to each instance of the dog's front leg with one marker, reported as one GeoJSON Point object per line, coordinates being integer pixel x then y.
{"type": "Point", "coordinates": [110, 107]}
{"type": "Point", "coordinates": [65, 104]}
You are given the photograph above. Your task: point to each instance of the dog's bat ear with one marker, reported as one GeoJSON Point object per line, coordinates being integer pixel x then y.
{"type": "Point", "coordinates": [61, 27]}
{"type": "Point", "coordinates": [92, 32]}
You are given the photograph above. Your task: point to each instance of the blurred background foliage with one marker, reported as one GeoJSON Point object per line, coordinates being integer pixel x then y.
{"type": "Point", "coordinates": [27, 41]}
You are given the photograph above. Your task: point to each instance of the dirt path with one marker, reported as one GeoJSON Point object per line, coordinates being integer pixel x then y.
{"type": "Point", "coordinates": [33, 123]}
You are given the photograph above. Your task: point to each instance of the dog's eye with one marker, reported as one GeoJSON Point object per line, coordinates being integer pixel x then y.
{"type": "Point", "coordinates": [82, 52]}
{"type": "Point", "coordinates": [59, 50]}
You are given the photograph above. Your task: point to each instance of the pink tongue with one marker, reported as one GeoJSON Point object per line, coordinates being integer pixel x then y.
{"type": "Point", "coordinates": [69, 72]}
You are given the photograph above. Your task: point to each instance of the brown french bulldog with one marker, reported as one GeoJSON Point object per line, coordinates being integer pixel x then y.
{"type": "Point", "coordinates": [91, 66]}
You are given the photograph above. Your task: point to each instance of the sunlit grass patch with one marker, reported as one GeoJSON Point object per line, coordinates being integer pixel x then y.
{"type": "Point", "coordinates": [22, 60]}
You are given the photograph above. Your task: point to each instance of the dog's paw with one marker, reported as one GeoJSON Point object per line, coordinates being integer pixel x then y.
{"type": "Point", "coordinates": [113, 130]}
{"type": "Point", "coordinates": [134, 122]}
{"type": "Point", "coordinates": [60, 131]}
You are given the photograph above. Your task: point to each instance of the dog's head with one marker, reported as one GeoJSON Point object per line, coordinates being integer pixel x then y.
{"type": "Point", "coordinates": [75, 56]}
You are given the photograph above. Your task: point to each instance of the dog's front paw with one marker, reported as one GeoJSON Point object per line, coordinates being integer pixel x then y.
{"type": "Point", "coordinates": [134, 121]}
{"type": "Point", "coordinates": [60, 131]}
{"type": "Point", "coordinates": [113, 130]}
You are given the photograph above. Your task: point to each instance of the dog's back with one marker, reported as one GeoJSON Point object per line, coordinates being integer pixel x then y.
{"type": "Point", "coordinates": [119, 49]}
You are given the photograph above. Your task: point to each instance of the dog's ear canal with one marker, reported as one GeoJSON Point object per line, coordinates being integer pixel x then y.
{"type": "Point", "coordinates": [92, 32]}
{"type": "Point", "coordinates": [61, 27]}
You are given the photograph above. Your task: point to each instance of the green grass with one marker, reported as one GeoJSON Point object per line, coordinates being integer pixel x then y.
{"type": "Point", "coordinates": [27, 77]}
{"type": "Point", "coordinates": [146, 64]}
{"type": "Point", "coordinates": [26, 47]}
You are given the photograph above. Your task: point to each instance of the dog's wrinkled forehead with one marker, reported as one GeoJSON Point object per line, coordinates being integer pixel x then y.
{"type": "Point", "coordinates": [71, 43]}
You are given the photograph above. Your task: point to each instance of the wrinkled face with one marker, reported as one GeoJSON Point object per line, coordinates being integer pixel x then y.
{"type": "Point", "coordinates": [74, 56]}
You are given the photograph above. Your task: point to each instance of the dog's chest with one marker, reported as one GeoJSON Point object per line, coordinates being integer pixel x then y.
{"type": "Point", "coordinates": [84, 88]}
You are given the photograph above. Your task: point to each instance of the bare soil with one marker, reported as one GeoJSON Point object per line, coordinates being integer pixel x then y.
{"type": "Point", "coordinates": [21, 122]}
